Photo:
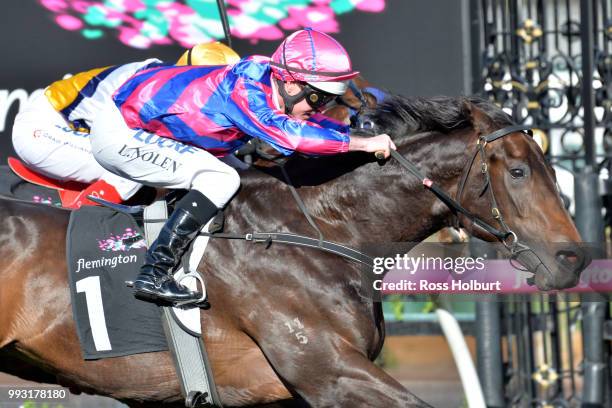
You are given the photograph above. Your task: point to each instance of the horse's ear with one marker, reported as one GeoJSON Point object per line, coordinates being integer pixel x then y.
{"type": "Point", "coordinates": [370, 99]}
{"type": "Point", "coordinates": [478, 118]}
{"type": "Point", "coordinates": [466, 109]}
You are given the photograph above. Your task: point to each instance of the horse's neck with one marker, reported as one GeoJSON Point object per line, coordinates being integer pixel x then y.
{"type": "Point", "coordinates": [370, 204]}
{"type": "Point", "coordinates": [389, 203]}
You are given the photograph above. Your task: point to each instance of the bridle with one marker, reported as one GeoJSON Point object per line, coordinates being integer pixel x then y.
{"type": "Point", "coordinates": [504, 234]}
{"type": "Point", "coordinates": [518, 251]}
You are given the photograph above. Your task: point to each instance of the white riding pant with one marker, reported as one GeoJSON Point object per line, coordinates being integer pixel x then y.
{"type": "Point", "coordinates": [44, 141]}
{"type": "Point", "coordinates": [159, 161]}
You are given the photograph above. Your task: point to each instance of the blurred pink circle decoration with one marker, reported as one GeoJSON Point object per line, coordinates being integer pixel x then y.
{"type": "Point", "coordinates": [143, 23]}
{"type": "Point", "coordinates": [68, 22]}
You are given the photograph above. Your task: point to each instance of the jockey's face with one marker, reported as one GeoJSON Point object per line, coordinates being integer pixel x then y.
{"type": "Point", "coordinates": [301, 110]}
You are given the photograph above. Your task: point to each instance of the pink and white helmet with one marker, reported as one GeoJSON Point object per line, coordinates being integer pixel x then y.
{"type": "Point", "coordinates": [313, 57]}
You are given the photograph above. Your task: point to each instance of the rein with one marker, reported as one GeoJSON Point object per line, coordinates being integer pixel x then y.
{"type": "Point", "coordinates": [503, 233]}
{"type": "Point", "coordinates": [506, 236]}
{"type": "Point", "coordinates": [518, 251]}
{"type": "Point", "coordinates": [527, 258]}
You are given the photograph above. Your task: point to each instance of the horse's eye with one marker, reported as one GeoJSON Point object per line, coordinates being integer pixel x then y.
{"type": "Point", "coordinates": [517, 173]}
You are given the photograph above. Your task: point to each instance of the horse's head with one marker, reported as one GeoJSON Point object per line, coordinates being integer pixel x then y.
{"type": "Point", "coordinates": [510, 185]}
{"type": "Point", "coordinates": [505, 184]}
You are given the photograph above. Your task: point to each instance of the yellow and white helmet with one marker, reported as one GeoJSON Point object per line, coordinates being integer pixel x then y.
{"type": "Point", "coordinates": [214, 53]}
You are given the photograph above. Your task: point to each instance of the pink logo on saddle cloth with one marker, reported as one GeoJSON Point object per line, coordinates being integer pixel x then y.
{"type": "Point", "coordinates": [129, 240]}
{"type": "Point", "coordinates": [45, 200]}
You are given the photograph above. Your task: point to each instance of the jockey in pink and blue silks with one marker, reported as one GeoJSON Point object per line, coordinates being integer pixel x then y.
{"type": "Point", "coordinates": [171, 124]}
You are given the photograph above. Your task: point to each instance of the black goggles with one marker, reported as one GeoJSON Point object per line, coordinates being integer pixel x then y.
{"type": "Point", "coordinates": [315, 98]}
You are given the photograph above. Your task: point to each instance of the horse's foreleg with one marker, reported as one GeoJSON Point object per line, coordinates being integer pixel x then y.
{"type": "Point", "coordinates": [337, 376]}
{"type": "Point", "coordinates": [358, 382]}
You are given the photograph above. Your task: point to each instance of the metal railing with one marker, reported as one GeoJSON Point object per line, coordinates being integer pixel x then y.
{"type": "Point", "coordinates": [548, 63]}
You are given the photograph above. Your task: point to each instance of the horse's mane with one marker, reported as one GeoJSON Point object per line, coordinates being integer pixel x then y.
{"type": "Point", "coordinates": [398, 115]}
{"type": "Point", "coordinates": [493, 111]}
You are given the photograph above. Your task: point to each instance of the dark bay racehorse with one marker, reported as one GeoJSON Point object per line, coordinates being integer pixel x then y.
{"type": "Point", "coordinates": [288, 322]}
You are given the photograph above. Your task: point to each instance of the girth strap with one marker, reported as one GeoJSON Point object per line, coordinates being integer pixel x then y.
{"type": "Point", "coordinates": [258, 237]}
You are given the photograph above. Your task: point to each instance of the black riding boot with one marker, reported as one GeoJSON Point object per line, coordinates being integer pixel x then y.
{"type": "Point", "coordinates": [155, 281]}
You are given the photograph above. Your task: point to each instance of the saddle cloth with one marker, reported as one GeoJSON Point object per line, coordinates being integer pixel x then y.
{"type": "Point", "coordinates": [108, 258]}
{"type": "Point", "coordinates": [105, 248]}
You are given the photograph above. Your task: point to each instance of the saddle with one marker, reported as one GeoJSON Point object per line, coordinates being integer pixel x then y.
{"type": "Point", "coordinates": [68, 191]}
{"type": "Point", "coordinates": [20, 181]}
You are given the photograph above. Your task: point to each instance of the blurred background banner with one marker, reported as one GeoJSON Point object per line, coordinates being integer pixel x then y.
{"type": "Point", "coordinates": [408, 47]}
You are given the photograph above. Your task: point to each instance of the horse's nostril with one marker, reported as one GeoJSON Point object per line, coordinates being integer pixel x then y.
{"type": "Point", "coordinates": [572, 259]}
{"type": "Point", "coordinates": [567, 258]}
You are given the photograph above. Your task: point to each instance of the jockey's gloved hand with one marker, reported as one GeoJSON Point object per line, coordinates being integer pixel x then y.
{"type": "Point", "coordinates": [380, 143]}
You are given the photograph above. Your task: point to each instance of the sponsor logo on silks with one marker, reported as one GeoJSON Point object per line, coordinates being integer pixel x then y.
{"type": "Point", "coordinates": [40, 133]}
{"type": "Point", "coordinates": [156, 159]}
{"type": "Point", "coordinates": [163, 142]}
{"type": "Point", "coordinates": [127, 241]}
